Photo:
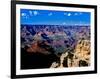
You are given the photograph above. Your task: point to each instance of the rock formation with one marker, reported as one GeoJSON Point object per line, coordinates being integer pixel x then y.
{"type": "Point", "coordinates": [80, 57]}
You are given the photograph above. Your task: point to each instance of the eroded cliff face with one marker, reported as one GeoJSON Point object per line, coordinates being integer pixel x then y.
{"type": "Point", "coordinates": [54, 46]}
{"type": "Point", "coordinates": [77, 58]}
{"type": "Point", "coordinates": [82, 53]}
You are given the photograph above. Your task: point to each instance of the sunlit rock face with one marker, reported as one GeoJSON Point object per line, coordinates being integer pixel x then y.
{"type": "Point", "coordinates": [80, 57]}
{"type": "Point", "coordinates": [82, 53]}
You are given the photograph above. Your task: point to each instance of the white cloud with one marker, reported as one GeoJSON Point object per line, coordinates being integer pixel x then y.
{"type": "Point", "coordinates": [35, 13]}
{"type": "Point", "coordinates": [64, 23]}
{"type": "Point", "coordinates": [76, 14]}
{"type": "Point", "coordinates": [30, 12]}
{"type": "Point", "coordinates": [80, 13]}
{"type": "Point", "coordinates": [65, 13]}
{"type": "Point", "coordinates": [50, 14]}
{"type": "Point", "coordinates": [23, 14]}
{"type": "Point", "coordinates": [69, 14]}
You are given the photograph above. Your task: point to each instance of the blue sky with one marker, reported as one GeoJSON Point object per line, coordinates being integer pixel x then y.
{"type": "Point", "coordinates": [51, 17]}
